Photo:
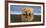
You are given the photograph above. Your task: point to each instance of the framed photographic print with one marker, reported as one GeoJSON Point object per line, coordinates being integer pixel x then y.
{"type": "Point", "coordinates": [24, 14]}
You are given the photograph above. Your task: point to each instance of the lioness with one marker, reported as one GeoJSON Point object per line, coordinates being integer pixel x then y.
{"type": "Point", "coordinates": [27, 14]}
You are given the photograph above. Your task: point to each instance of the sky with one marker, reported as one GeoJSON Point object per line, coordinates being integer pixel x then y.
{"type": "Point", "coordinates": [16, 9]}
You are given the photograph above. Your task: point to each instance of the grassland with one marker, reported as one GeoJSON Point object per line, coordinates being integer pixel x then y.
{"type": "Point", "coordinates": [17, 18]}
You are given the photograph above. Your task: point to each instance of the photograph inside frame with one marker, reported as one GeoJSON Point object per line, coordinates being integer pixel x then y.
{"type": "Point", "coordinates": [28, 13]}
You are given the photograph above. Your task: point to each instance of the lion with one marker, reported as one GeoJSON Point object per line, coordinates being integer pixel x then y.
{"type": "Point", "coordinates": [27, 14]}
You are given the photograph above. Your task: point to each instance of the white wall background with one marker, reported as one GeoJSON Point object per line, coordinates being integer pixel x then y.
{"type": "Point", "coordinates": [2, 9]}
